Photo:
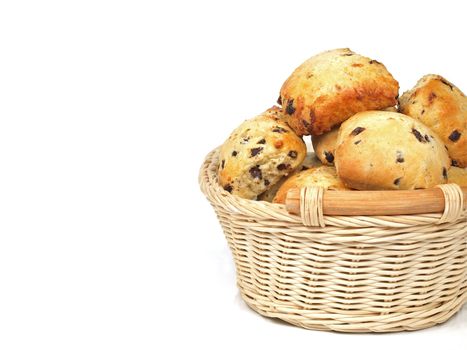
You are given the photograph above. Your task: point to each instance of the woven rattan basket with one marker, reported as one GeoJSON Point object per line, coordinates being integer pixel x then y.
{"type": "Point", "coordinates": [346, 273]}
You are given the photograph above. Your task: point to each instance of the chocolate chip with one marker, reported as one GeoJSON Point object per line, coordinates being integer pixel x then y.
{"type": "Point", "coordinates": [283, 166]}
{"type": "Point", "coordinates": [423, 111]}
{"type": "Point", "coordinates": [399, 157]}
{"type": "Point", "coordinates": [266, 182]}
{"type": "Point", "coordinates": [374, 61]}
{"type": "Point", "coordinates": [397, 181]}
{"type": "Point", "coordinates": [454, 163]}
{"type": "Point", "coordinates": [256, 173]}
{"type": "Point", "coordinates": [290, 109]}
{"type": "Point", "coordinates": [357, 142]}
{"type": "Point", "coordinates": [427, 138]}
{"type": "Point", "coordinates": [228, 188]}
{"type": "Point", "coordinates": [279, 130]}
{"type": "Point", "coordinates": [261, 142]}
{"type": "Point", "coordinates": [245, 140]}
{"type": "Point", "coordinates": [256, 151]}
{"type": "Point", "coordinates": [293, 154]}
{"type": "Point", "coordinates": [234, 153]}
{"type": "Point", "coordinates": [445, 173]}
{"type": "Point", "coordinates": [222, 163]}
{"type": "Point", "coordinates": [357, 131]}
{"type": "Point", "coordinates": [418, 135]}
{"type": "Point", "coordinates": [279, 100]}
{"type": "Point", "coordinates": [305, 167]}
{"type": "Point", "coordinates": [455, 136]}
{"type": "Point", "coordinates": [431, 97]}
{"type": "Point", "coordinates": [329, 156]}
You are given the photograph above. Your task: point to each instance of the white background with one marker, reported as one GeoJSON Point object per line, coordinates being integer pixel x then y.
{"type": "Point", "coordinates": [106, 112]}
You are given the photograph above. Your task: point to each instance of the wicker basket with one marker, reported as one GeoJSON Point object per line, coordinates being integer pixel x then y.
{"type": "Point", "coordinates": [345, 273]}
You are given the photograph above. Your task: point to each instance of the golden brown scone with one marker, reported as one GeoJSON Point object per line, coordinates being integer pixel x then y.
{"type": "Point", "coordinates": [325, 145]}
{"type": "Point", "coordinates": [258, 154]}
{"type": "Point", "coordinates": [441, 106]}
{"type": "Point", "coordinates": [331, 87]}
{"type": "Point", "coordinates": [309, 162]}
{"type": "Point", "coordinates": [320, 176]}
{"type": "Point", "coordinates": [457, 175]}
{"type": "Point", "coordinates": [379, 150]}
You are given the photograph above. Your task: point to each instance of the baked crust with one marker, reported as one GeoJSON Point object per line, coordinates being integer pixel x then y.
{"type": "Point", "coordinates": [331, 87]}
{"type": "Point", "coordinates": [310, 161]}
{"type": "Point", "coordinates": [258, 154]}
{"type": "Point", "coordinates": [320, 176]}
{"type": "Point", "coordinates": [440, 105]}
{"type": "Point", "coordinates": [457, 175]}
{"type": "Point", "coordinates": [325, 146]}
{"type": "Point", "coordinates": [378, 150]}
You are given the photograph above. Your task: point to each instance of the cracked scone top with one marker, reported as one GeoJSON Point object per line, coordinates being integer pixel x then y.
{"type": "Point", "coordinates": [331, 87]}
{"type": "Point", "coordinates": [441, 106]}
{"type": "Point", "coordinates": [310, 161]}
{"type": "Point", "coordinates": [379, 150]}
{"type": "Point", "coordinates": [258, 154]}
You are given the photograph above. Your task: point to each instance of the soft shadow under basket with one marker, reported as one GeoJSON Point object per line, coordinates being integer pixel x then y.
{"type": "Point", "coordinates": [349, 261]}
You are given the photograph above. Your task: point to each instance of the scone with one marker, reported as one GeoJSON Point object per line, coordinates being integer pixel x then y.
{"type": "Point", "coordinates": [309, 162]}
{"type": "Point", "coordinates": [258, 154]}
{"type": "Point", "coordinates": [320, 176]}
{"type": "Point", "coordinates": [441, 106]}
{"type": "Point", "coordinates": [457, 175]}
{"type": "Point", "coordinates": [379, 150]}
{"type": "Point", "coordinates": [331, 87]}
{"type": "Point", "coordinates": [325, 145]}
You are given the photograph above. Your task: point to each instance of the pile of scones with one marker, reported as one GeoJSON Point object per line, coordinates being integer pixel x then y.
{"type": "Point", "coordinates": [364, 136]}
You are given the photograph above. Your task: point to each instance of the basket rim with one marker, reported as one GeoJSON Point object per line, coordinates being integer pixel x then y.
{"type": "Point", "coordinates": [265, 210]}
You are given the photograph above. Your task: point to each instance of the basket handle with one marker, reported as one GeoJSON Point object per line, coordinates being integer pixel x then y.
{"type": "Point", "coordinates": [403, 202]}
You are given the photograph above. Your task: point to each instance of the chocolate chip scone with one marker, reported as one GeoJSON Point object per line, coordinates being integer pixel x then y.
{"type": "Point", "coordinates": [258, 154]}
{"type": "Point", "coordinates": [331, 87]}
{"type": "Point", "coordinates": [457, 175]}
{"type": "Point", "coordinates": [379, 150]}
{"type": "Point", "coordinates": [441, 106]}
{"type": "Point", "coordinates": [319, 176]}
{"type": "Point", "coordinates": [309, 162]}
{"type": "Point", "coordinates": [325, 145]}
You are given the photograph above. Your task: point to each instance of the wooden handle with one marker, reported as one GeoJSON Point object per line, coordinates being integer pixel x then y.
{"type": "Point", "coordinates": [376, 202]}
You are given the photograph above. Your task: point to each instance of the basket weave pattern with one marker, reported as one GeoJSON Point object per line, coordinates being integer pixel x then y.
{"type": "Point", "coordinates": [355, 274]}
